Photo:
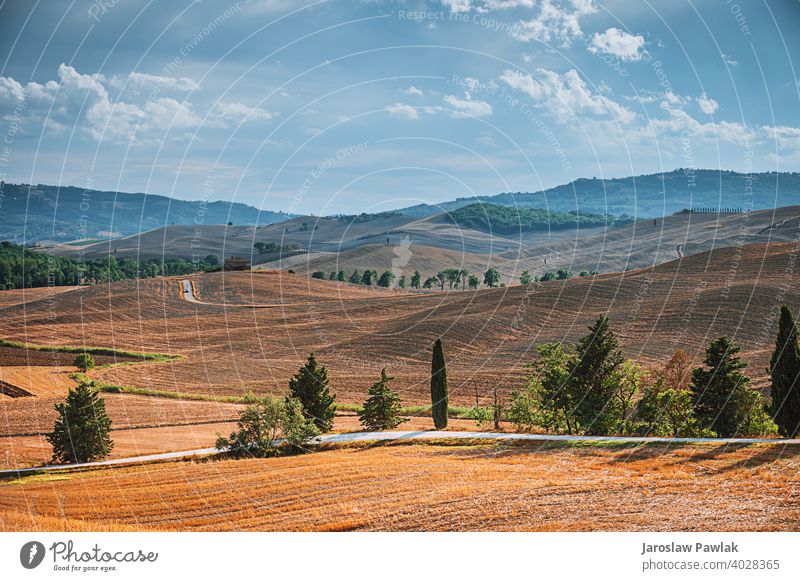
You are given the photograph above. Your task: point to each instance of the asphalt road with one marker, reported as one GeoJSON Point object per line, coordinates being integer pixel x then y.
{"type": "Point", "coordinates": [416, 435]}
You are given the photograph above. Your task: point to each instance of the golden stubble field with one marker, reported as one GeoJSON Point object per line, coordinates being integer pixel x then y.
{"type": "Point", "coordinates": [429, 488]}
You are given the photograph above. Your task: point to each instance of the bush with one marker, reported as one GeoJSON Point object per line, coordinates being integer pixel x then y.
{"type": "Point", "coordinates": [318, 274]}
{"type": "Point", "coordinates": [265, 425]}
{"type": "Point", "coordinates": [84, 362]}
{"type": "Point", "coordinates": [481, 415]}
{"type": "Point", "coordinates": [81, 431]}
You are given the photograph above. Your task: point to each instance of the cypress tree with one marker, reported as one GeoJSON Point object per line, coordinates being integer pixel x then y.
{"type": "Point", "coordinates": [382, 408]}
{"type": "Point", "coordinates": [438, 387]}
{"type": "Point", "coordinates": [80, 433]}
{"type": "Point", "coordinates": [785, 370]}
{"type": "Point", "coordinates": [597, 357]}
{"type": "Point", "coordinates": [720, 389]}
{"type": "Point", "coordinates": [310, 386]}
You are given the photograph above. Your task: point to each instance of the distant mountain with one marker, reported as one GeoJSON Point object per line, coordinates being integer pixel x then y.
{"type": "Point", "coordinates": [647, 196]}
{"type": "Point", "coordinates": [52, 213]}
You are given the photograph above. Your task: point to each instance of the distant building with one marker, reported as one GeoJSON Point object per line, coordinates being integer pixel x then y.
{"type": "Point", "coordinates": [236, 263]}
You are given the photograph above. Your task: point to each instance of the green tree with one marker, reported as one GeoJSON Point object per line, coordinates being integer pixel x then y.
{"type": "Point", "coordinates": [416, 278]}
{"type": "Point", "coordinates": [491, 277]}
{"type": "Point", "coordinates": [368, 277]}
{"type": "Point", "coordinates": [667, 406]}
{"type": "Point", "coordinates": [439, 400]}
{"type": "Point", "coordinates": [474, 282]}
{"type": "Point", "coordinates": [784, 366]}
{"type": "Point", "coordinates": [263, 424]}
{"type": "Point", "coordinates": [318, 274]}
{"type": "Point", "coordinates": [332, 275]}
{"type": "Point", "coordinates": [81, 430]}
{"type": "Point", "coordinates": [402, 282]}
{"type": "Point", "coordinates": [525, 278]}
{"type": "Point", "coordinates": [564, 274]}
{"type": "Point", "coordinates": [382, 408]}
{"type": "Point", "coordinates": [546, 399]}
{"type": "Point", "coordinates": [592, 384]}
{"type": "Point", "coordinates": [548, 276]}
{"type": "Point", "coordinates": [430, 281]}
{"type": "Point", "coordinates": [355, 278]}
{"type": "Point", "coordinates": [386, 279]}
{"type": "Point", "coordinates": [341, 276]}
{"type": "Point", "coordinates": [723, 401]}
{"type": "Point", "coordinates": [310, 386]}
{"type": "Point", "coordinates": [441, 278]}
{"type": "Point", "coordinates": [84, 362]}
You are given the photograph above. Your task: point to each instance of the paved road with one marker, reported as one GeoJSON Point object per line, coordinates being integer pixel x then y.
{"type": "Point", "coordinates": [417, 435]}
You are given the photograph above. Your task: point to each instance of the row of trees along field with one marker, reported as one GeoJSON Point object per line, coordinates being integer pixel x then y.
{"type": "Point", "coordinates": [589, 388]}
{"type": "Point", "coordinates": [22, 267]}
{"type": "Point", "coordinates": [454, 278]}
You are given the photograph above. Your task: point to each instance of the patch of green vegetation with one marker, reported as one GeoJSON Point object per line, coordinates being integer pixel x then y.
{"type": "Point", "coordinates": [505, 219]}
{"type": "Point", "coordinates": [110, 388]}
{"type": "Point", "coordinates": [91, 350]}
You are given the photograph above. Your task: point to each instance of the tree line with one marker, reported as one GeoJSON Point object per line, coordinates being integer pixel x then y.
{"type": "Point", "coordinates": [452, 278]}
{"type": "Point", "coordinates": [588, 388]}
{"type": "Point", "coordinates": [591, 388]}
{"type": "Point", "coordinates": [22, 267]}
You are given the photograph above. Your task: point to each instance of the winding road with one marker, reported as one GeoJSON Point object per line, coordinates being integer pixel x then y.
{"type": "Point", "coordinates": [411, 435]}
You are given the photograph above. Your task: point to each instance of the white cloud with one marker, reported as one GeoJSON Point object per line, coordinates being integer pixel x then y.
{"type": "Point", "coordinates": [457, 6]}
{"type": "Point", "coordinates": [707, 105]}
{"type": "Point", "coordinates": [145, 81]}
{"type": "Point", "coordinates": [83, 101]}
{"type": "Point", "coordinates": [616, 42]}
{"type": "Point", "coordinates": [402, 111]}
{"type": "Point", "coordinates": [565, 96]}
{"type": "Point", "coordinates": [468, 107]}
{"type": "Point", "coordinates": [238, 113]}
{"type": "Point", "coordinates": [554, 23]}
{"type": "Point", "coordinates": [412, 90]}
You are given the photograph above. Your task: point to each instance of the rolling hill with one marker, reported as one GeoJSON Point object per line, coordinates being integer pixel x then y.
{"type": "Point", "coordinates": [647, 196]}
{"type": "Point", "coordinates": [50, 213]}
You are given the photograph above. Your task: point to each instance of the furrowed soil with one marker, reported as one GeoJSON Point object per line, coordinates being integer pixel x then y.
{"type": "Point", "coordinates": [429, 488]}
{"type": "Point", "coordinates": [489, 335]}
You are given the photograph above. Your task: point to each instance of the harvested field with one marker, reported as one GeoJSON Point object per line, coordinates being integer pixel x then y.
{"type": "Point", "coordinates": [429, 488]}
{"type": "Point", "coordinates": [36, 415]}
{"type": "Point", "coordinates": [489, 335]}
{"type": "Point", "coordinates": [29, 451]}
{"type": "Point", "coordinates": [20, 357]}
{"type": "Point", "coordinates": [28, 295]}
{"type": "Point", "coordinates": [39, 381]}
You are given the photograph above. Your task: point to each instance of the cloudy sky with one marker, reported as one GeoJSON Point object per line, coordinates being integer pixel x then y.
{"type": "Point", "coordinates": [343, 106]}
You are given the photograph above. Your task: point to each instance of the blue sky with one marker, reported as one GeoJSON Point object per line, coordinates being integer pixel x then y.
{"type": "Point", "coordinates": [342, 106]}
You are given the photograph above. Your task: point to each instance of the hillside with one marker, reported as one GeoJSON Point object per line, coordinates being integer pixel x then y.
{"type": "Point", "coordinates": [489, 335]}
{"type": "Point", "coordinates": [647, 196]}
{"type": "Point", "coordinates": [52, 213]}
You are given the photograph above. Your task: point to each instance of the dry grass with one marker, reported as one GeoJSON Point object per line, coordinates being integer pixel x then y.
{"type": "Point", "coordinates": [433, 487]}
